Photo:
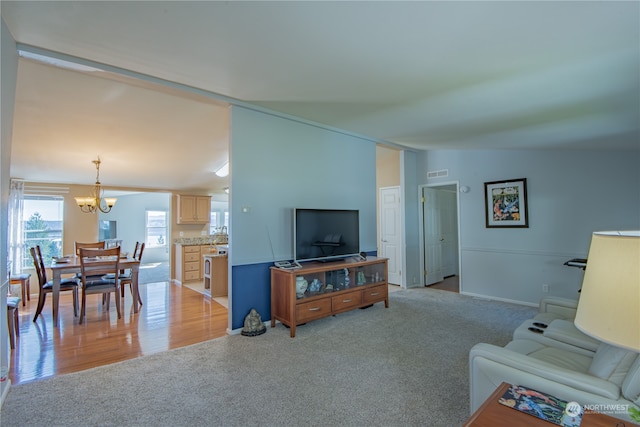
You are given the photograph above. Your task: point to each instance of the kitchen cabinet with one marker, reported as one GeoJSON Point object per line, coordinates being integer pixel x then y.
{"type": "Point", "coordinates": [190, 266]}
{"type": "Point", "coordinates": [188, 263]}
{"type": "Point", "coordinates": [193, 209]}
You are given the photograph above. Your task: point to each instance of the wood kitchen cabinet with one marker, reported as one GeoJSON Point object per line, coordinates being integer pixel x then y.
{"type": "Point", "coordinates": [193, 209]}
{"type": "Point", "coordinates": [188, 263]}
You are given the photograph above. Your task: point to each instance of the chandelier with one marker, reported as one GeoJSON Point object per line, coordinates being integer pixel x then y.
{"type": "Point", "coordinates": [94, 202]}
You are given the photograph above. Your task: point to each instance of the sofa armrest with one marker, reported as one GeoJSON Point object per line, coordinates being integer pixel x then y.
{"type": "Point", "coordinates": [545, 371]}
{"type": "Point", "coordinates": [564, 307]}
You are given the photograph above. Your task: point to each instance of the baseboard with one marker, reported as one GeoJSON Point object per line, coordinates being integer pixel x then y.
{"type": "Point", "coordinates": [491, 298]}
{"type": "Point", "coordinates": [5, 392]}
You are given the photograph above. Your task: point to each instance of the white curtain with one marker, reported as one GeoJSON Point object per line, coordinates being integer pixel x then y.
{"type": "Point", "coordinates": [16, 235]}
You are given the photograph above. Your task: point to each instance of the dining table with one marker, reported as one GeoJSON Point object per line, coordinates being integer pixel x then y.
{"type": "Point", "coordinates": [72, 265]}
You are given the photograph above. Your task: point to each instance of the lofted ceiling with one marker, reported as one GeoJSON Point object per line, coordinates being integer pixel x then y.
{"type": "Point", "coordinates": [423, 75]}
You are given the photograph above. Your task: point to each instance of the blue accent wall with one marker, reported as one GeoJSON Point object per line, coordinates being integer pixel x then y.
{"type": "Point", "coordinates": [251, 289]}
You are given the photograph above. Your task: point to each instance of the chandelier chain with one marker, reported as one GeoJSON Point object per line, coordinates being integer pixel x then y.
{"type": "Point", "coordinates": [94, 202]}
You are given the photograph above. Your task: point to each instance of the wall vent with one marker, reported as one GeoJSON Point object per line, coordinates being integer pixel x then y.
{"type": "Point", "coordinates": [438, 174]}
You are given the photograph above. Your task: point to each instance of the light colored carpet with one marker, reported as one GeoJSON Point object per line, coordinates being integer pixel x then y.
{"type": "Point", "coordinates": [402, 366]}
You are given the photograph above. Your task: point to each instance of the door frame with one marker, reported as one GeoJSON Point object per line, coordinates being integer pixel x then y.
{"type": "Point", "coordinates": [422, 231]}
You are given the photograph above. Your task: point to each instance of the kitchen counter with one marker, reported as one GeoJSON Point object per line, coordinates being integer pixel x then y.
{"type": "Point", "coordinates": [189, 263]}
{"type": "Point", "coordinates": [216, 274]}
{"type": "Point", "coordinates": [199, 241]}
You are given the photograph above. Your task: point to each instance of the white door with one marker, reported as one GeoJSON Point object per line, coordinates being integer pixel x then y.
{"type": "Point", "coordinates": [391, 232]}
{"type": "Point", "coordinates": [433, 236]}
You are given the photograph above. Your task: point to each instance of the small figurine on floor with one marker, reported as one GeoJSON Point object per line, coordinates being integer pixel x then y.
{"type": "Point", "coordinates": [253, 325]}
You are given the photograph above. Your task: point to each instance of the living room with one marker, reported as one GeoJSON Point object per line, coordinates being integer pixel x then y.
{"type": "Point", "coordinates": [280, 162]}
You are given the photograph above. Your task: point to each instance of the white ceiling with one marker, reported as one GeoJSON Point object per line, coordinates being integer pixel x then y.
{"type": "Point", "coordinates": [425, 75]}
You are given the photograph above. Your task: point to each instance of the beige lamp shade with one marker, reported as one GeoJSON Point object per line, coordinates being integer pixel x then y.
{"type": "Point", "coordinates": [609, 306]}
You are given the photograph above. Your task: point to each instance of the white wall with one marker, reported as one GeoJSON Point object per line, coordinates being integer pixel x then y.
{"type": "Point", "coordinates": [570, 195]}
{"type": "Point", "coordinates": [278, 164]}
{"type": "Point", "coordinates": [9, 71]}
{"type": "Point", "coordinates": [129, 212]}
{"type": "Point", "coordinates": [409, 202]}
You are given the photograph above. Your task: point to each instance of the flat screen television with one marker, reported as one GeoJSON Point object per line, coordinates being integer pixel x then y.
{"type": "Point", "coordinates": [325, 234]}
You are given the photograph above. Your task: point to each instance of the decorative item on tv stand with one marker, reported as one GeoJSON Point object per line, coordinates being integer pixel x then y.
{"type": "Point", "coordinates": [301, 286]}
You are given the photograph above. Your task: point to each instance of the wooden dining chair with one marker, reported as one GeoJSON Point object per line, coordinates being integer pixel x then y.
{"type": "Point", "coordinates": [92, 245]}
{"type": "Point", "coordinates": [125, 274]}
{"type": "Point", "coordinates": [94, 265]}
{"type": "Point", "coordinates": [13, 320]}
{"type": "Point", "coordinates": [125, 279]}
{"type": "Point", "coordinates": [46, 286]}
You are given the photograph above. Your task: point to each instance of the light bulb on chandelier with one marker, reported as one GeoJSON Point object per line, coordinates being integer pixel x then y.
{"type": "Point", "coordinates": [94, 202]}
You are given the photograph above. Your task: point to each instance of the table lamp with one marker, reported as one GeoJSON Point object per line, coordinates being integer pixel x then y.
{"type": "Point", "coordinates": [609, 305]}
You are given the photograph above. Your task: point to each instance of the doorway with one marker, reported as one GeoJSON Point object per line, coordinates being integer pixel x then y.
{"type": "Point", "coordinates": [440, 230]}
{"type": "Point", "coordinates": [391, 232]}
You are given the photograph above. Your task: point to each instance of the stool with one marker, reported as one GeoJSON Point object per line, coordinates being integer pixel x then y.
{"type": "Point", "coordinates": [12, 320]}
{"type": "Point", "coordinates": [24, 280]}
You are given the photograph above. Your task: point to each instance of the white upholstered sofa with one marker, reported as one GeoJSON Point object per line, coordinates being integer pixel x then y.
{"type": "Point", "coordinates": [606, 379]}
{"type": "Point", "coordinates": [553, 325]}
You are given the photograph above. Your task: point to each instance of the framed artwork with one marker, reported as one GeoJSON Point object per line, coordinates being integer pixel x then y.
{"type": "Point", "coordinates": [506, 203]}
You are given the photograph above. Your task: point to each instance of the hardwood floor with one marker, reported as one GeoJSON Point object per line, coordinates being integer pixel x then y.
{"type": "Point", "coordinates": [451, 284]}
{"type": "Point", "coordinates": [172, 316]}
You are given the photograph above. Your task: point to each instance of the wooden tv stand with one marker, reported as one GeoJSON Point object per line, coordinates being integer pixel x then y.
{"type": "Point", "coordinates": [336, 290]}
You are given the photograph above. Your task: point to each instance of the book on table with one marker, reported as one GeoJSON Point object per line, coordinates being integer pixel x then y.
{"type": "Point", "coordinates": [543, 406]}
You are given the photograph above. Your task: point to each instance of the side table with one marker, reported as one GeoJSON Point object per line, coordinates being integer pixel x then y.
{"type": "Point", "coordinates": [494, 414]}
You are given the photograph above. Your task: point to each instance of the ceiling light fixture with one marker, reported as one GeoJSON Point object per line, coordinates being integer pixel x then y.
{"type": "Point", "coordinates": [93, 203]}
{"type": "Point", "coordinates": [224, 170]}
{"type": "Point", "coordinates": [56, 62]}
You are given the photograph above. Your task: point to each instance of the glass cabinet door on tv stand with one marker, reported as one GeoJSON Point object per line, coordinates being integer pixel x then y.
{"type": "Point", "coordinates": [320, 289]}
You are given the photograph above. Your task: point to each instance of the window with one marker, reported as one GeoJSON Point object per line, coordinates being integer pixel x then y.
{"type": "Point", "coordinates": [213, 222]}
{"type": "Point", "coordinates": [218, 220]}
{"type": "Point", "coordinates": [42, 225]}
{"type": "Point", "coordinates": [156, 229]}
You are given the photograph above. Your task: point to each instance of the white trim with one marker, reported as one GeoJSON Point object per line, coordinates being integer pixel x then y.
{"type": "Point", "coordinates": [492, 298]}
{"type": "Point", "coordinates": [44, 190]}
{"type": "Point", "coordinates": [5, 392]}
{"type": "Point", "coordinates": [524, 252]}
{"type": "Point", "coordinates": [4, 287]}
